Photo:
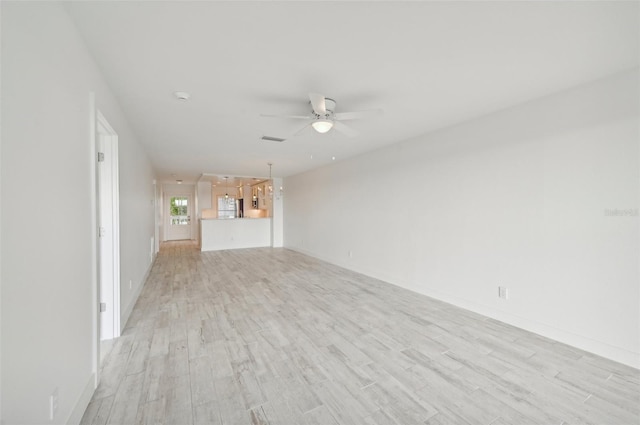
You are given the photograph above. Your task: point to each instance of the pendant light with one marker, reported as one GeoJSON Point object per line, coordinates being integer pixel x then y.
{"type": "Point", "coordinates": [226, 189]}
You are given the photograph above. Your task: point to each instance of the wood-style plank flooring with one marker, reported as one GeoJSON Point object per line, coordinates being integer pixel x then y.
{"type": "Point", "coordinates": [270, 336]}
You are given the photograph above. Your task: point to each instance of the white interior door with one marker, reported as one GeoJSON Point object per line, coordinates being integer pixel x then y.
{"type": "Point", "coordinates": [179, 212]}
{"type": "Point", "coordinates": [108, 230]}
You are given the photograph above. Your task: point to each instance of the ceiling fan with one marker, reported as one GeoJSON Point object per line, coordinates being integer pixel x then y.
{"type": "Point", "coordinates": [323, 117]}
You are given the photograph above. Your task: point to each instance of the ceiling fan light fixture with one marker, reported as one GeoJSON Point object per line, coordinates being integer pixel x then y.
{"type": "Point", "coordinates": [322, 125]}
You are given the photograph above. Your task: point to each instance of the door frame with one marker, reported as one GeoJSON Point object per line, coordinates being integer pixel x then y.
{"type": "Point", "coordinates": [167, 221]}
{"type": "Point", "coordinates": [108, 205]}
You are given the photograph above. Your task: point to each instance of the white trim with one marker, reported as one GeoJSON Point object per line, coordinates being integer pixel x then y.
{"type": "Point", "coordinates": [95, 291]}
{"type": "Point", "coordinates": [129, 309]}
{"type": "Point", "coordinates": [157, 201]}
{"type": "Point", "coordinates": [111, 148]}
{"type": "Point", "coordinates": [83, 401]}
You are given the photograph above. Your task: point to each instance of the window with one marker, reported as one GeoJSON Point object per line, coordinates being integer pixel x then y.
{"type": "Point", "coordinates": [226, 207]}
{"type": "Point", "coordinates": [179, 210]}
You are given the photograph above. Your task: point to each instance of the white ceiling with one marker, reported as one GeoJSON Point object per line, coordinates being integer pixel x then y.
{"type": "Point", "coordinates": [426, 64]}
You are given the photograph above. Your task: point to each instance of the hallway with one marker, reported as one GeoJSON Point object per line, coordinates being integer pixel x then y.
{"type": "Point", "coordinates": [271, 336]}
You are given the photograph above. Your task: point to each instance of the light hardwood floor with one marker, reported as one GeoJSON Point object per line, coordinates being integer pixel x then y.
{"type": "Point", "coordinates": [270, 336]}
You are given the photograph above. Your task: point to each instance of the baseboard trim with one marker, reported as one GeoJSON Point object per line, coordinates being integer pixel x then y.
{"type": "Point", "coordinates": [83, 401]}
{"type": "Point", "coordinates": [127, 312]}
{"type": "Point", "coordinates": [599, 348]}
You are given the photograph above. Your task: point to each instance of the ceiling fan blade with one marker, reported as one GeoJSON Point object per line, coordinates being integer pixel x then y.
{"type": "Point", "coordinates": [344, 129]}
{"type": "Point", "coordinates": [318, 103]}
{"type": "Point", "coordinates": [356, 115]}
{"type": "Point", "coordinates": [295, 117]}
{"type": "Point", "coordinates": [299, 132]}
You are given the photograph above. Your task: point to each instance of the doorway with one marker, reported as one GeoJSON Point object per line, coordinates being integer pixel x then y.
{"type": "Point", "coordinates": [108, 219]}
{"type": "Point", "coordinates": [178, 210]}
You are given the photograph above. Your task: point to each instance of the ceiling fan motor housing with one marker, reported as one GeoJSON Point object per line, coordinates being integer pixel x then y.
{"type": "Point", "coordinates": [329, 106]}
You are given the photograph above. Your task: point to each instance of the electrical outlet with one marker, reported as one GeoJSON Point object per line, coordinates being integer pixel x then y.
{"type": "Point", "coordinates": [503, 292]}
{"type": "Point", "coordinates": [53, 404]}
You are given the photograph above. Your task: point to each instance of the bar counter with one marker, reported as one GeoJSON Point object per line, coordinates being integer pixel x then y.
{"type": "Point", "coordinates": [234, 233]}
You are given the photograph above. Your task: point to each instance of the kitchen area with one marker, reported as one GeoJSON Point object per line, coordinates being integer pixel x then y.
{"type": "Point", "coordinates": [238, 212]}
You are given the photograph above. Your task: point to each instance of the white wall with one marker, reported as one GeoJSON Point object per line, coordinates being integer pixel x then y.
{"type": "Point", "coordinates": [516, 198]}
{"type": "Point", "coordinates": [204, 199]}
{"type": "Point", "coordinates": [48, 234]}
{"type": "Point", "coordinates": [137, 222]}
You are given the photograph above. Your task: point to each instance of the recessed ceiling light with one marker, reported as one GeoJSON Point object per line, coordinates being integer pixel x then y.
{"type": "Point", "coordinates": [179, 181]}
{"type": "Point", "coordinates": [182, 95]}
{"type": "Point", "coordinates": [333, 158]}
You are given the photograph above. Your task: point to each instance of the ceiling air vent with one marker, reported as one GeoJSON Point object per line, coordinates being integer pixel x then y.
{"type": "Point", "coordinates": [272, 139]}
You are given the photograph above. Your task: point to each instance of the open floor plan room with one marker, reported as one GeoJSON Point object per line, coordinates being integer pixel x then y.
{"type": "Point", "coordinates": [272, 336]}
{"type": "Point", "coordinates": [319, 212]}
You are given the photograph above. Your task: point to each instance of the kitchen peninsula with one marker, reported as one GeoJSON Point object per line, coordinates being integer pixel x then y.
{"type": "Point", "coordinates": [233, 233]}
